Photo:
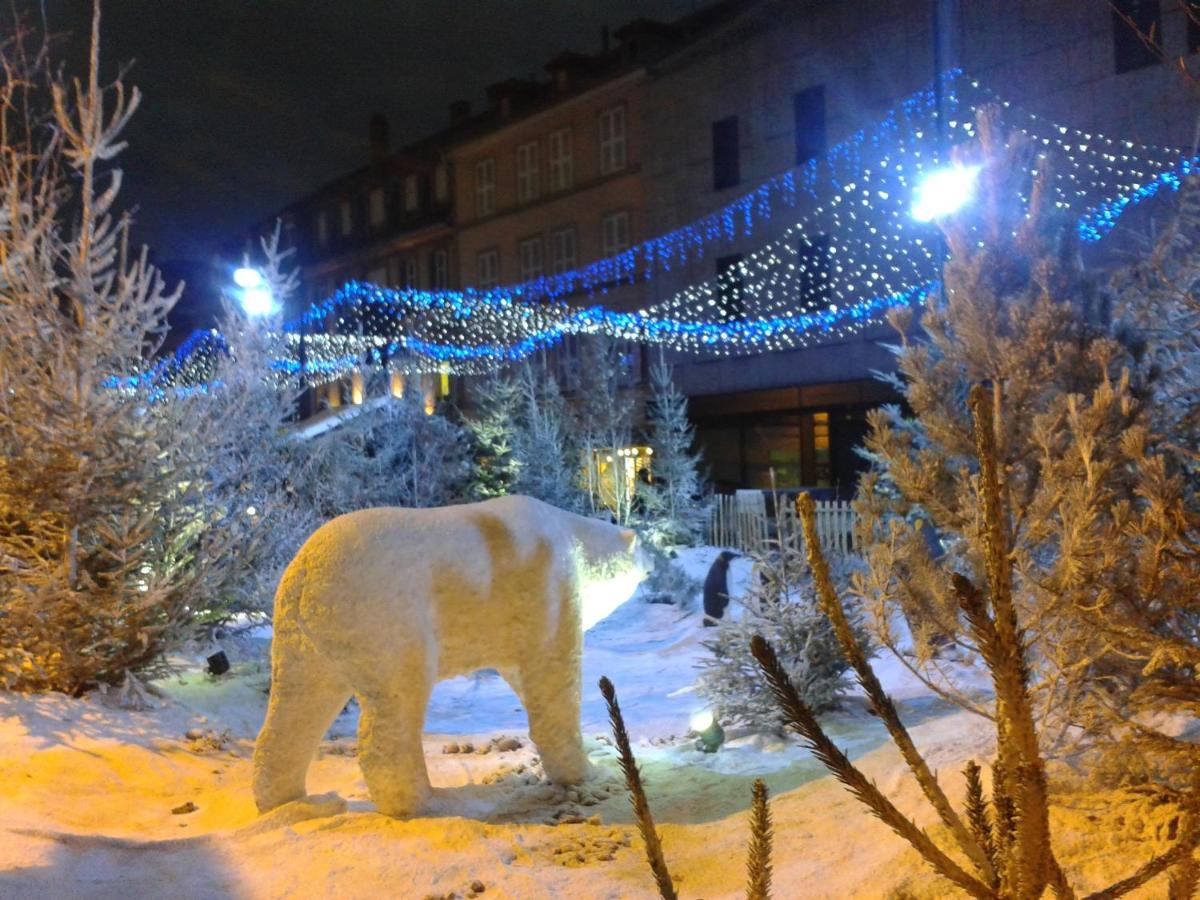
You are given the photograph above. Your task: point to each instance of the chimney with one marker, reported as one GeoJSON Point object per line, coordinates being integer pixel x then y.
{"type": "Point", "coordinates": [460, 111]}
{"type": "Point", "coordinates": [377, 133]}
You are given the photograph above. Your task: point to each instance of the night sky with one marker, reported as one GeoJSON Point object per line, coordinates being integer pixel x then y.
{"type": "Point", "coordinates": [249, 104]}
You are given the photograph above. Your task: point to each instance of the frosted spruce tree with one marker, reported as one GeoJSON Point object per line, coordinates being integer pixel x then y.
{"type": "Point", "coordinates": [605, 412]}
{"type": "Point", "coordinates": [243, 451]}
{"type": "Point", "coordinates": [1098, 537]}
{"type": "Point", "coordinates": [674, 512]}
{"type": "Point", "coordinates": [389, 454]}
{"type": "Point", "coordinates": [544, 443]}
{"type": "Point", "coordinates": [493, 429]}
{"type": "Point", "coordinates": [88, 586]}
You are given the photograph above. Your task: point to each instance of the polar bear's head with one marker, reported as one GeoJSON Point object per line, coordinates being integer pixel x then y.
{"type": "Point", "coordinates": [612, 563]}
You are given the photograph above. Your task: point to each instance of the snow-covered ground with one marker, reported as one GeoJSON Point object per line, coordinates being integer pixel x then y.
{"type": "Point", "coordinates": [102, 801]}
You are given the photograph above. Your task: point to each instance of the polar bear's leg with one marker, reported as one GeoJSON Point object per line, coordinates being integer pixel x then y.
{"type": "Point", "coordinates": [306, 696]}
{"type": "Point", "coordinates": [549, 688]}
{"type": "Point", "coordinates": [389, 744]}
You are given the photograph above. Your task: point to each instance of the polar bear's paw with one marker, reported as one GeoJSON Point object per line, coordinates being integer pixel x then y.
{"type": "Point", "coordinates": [318, 806]}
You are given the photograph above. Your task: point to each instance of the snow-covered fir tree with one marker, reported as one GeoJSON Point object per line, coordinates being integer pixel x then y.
{"type": "Point", "coordinates": [779, 605]}
{"type": "Point", "coordinates": [88, 583]}
{"type": "Point", "coordinates": [388, 453]}
{"type": "Point", "coordinates": [1098, 543]}
{"type": "Point", "coordinates": [605, 414]}
{"type": "Point", "coordinates": [544, 445]}
{"type": "Point", "coordinates": [493, 427]}
{"type": "Point", "coordinates": [674, 510]}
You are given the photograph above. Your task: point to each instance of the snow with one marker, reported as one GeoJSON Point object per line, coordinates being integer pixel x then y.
{"type": "Point", "coordinates": [87, 790]}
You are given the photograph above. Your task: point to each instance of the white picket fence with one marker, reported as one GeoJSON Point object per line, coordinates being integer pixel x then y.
{"type": "Point", "coordinates": [740, 521]}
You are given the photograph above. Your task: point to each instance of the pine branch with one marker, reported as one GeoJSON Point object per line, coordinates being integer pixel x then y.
{"type": "Point", "coordinates": [881, 703]}
{"type": "Point", "coordinates": [800, 717]}
{"type": "Point", "coordinates": [1030, 861]}
{"type": "Point", "coordinates": [637, 796]}
{"type": "Point", "coordinates": [758, 858]}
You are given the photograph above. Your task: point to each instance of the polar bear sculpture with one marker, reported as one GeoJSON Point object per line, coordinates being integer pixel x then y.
{"type": "Point", "coordinates": [382, 603]}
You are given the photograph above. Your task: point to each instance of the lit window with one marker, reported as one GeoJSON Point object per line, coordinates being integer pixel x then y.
{"type": "Point", "coordinates": [485, 187]}
{"type": "Point", "coordinates": [377, 207]}
{"type": "Point", "coordinates": [822, 462]}
{"type": "Point", "coordinates": [441, 183]}
{"type": "Point", "coordinates": [412, 193]}
{"type": "Point", "coordinates": [562, 250]}
{"type": "Point", "coordinates": [562, 163]}
{"type": "Point", "coordinates": [488, 269]}
{"type": "Point", "coordinates": [527, 172]}
{"type": "Point", "coordinates": [529, 252]}
{"type": "Point", "coordinates": [612, 140]}
{"type": "Point", "coordinates": [439, 265]}
{"type": "Point", "coordinates": [614, 233]}
{"type": "Point", "coordinates": [347, 218]}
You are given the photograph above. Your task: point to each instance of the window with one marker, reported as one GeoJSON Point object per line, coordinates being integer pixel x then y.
{"type": "Point", "coordinates": [439, 269]}
{"type": "Point", "coordinates": [562, 250]}
{"type": "Point", "coordinates": [412, 193]}
{"type": "Point", "coordinates": [529, 253]}
{"type": "Point", "coordinates": [485, 187]}
{"type": "Point", "coordinates": [441, 183]}
{"type": "Point", "coordinates": [410, 272]}
{"type": "Point", "coordinates": [568, 363]}
{"type": "Point", "coordinates": [822, 463]}
{"type": "Point", "coordinates": [378, 276]}
{"type": "Point", "coordinates": [1136, 22]}
{"type": "Point", "coordinates": [377, 206]}
{"type": "Point", "coordinates": [731, 287]}
{"type": "Point", "coordinates": [527, 172]}
{"type": "Point", "coordinates": [323, 228]}
{"type": "Point", "coordinates": [614, 233]}
{"type": "Point", "coordinates": [487, 269]}
{"type": "Point", "coordinates": [726, 168]}
{"type": "Point", "coordinates": [347, 218]}
{"type": "Point", "coordinates": [808, 107]}
{"type": "Point", "coordinates": [812, 260]}
{"type": "Point", "coordinates": [612, 140]}
{"type": "Point", "coordinates": [562, 163]}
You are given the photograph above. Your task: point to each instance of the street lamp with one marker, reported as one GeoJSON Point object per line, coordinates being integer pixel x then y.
{"type": "Point", "coordinates": [943, 192]}
{"type": "Point", "coordinates": [254, 294]}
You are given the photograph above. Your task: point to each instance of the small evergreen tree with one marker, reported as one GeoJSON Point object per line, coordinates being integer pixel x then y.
{"type": "Point", "coordinates": [673, 508]}
{"type": "Point", "coordinates": [1098, 555]}
{"type": "Point", "coordinates": [391, 453]}
{"type": "Point", "coordinates": [543, 444]}
{"type": "Point", "coordinates": [493, 427]}
{"type": "Point", "coordinates": [605, 426]}
{"type": "Point", "coordinates": [779, 604]}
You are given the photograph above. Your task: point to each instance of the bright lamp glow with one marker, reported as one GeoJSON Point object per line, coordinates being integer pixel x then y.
{"type": "Point", "coordinates": [258, 301]}
{"type": "Point", "coordinates": [245, 277]}
{"type": "Point", "coordinates": [944, 192]}
{"type": "Point", "coordinates": [701, 721]}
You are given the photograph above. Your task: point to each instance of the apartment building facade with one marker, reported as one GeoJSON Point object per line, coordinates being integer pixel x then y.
{"type": "Point", "coordinates": [781, 83]}
{"type": "Point", "coordinates": [673, 121]}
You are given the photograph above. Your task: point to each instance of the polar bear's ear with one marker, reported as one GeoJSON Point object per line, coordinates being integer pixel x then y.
{"type": "Point", "coordinates": [628, 536]}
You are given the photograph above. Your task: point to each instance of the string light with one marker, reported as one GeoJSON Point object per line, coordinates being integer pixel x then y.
{"type": "Point", "coordinates": [853, 250]}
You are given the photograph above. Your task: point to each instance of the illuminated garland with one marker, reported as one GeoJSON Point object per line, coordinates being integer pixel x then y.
{"type": "Point", "coordinates": [852, 252]}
